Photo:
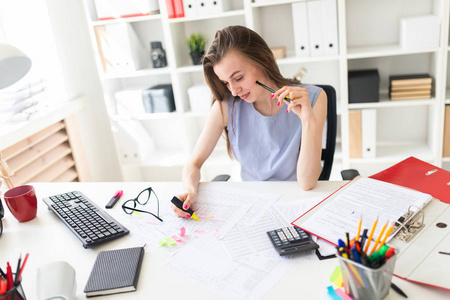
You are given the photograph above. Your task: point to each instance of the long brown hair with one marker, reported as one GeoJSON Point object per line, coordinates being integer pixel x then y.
{"type": "Point", "coordinates": [250, 45]}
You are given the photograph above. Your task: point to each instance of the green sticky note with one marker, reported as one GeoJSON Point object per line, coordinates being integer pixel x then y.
{"type": "Point", "coordinates": [336, 273]}
{"type": "Point", "coordinates": [170, 241]}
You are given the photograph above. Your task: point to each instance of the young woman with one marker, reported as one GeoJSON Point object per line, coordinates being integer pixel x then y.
{"type": "Point", "coordinates": [272, 138]}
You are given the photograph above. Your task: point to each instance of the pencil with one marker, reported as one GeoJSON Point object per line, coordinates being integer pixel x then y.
{"type": "Point", "coordinates": [371, 235]}
{"type": "Point", "coordinates": [378, 239]}
{"type": "Point", "coordinates": [359, 228]}
{"type": "Point", "coordinates": [386, 236]}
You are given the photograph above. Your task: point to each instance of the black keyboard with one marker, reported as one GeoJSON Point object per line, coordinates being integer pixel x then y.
{"type": "Point", "coordinates": [91, 224]}
{"type": "Point", "coordinates": [291, 240]}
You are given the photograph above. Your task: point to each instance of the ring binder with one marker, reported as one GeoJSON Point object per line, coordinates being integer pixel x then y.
{"type": "Point", "coordinates": [409, 225]}
{"type": "Point", "coordinates": [431, 172]}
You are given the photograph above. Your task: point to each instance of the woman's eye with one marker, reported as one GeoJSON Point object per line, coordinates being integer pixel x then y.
{"type": "Point", "coordinates": [238, 79]}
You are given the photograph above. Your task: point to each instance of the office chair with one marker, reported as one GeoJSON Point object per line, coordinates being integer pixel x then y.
{"type": "Point", "coordinates": [331, 125]}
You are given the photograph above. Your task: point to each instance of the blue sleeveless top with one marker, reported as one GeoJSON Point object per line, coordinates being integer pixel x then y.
{"type": "Point", "coordinates": [267, 147]}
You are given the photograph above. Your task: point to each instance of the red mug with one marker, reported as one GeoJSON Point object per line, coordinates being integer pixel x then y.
{"type": "Point", "coordinates": [22, 202]}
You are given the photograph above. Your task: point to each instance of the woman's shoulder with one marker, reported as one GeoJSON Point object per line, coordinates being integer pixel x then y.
{"type": "Point", "coordinates": [310, 87]}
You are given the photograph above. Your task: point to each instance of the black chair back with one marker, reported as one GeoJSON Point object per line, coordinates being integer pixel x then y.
{"type": "Point", "coordinates": [331, 125]}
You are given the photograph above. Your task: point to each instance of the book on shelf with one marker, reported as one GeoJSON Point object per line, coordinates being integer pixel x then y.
{"type": "Point", "coordinates": [446, 150]}
{"type": "Point", "coordinates": [411, 97]}
{"type": "Point", "coordinates": [410, 79]}
{"type": "Point", "coordinates": [412, 87]}
{"type": "Point", "coordinates": [115, 271]}
{"type": "Point", "coordinates": [411, 93]}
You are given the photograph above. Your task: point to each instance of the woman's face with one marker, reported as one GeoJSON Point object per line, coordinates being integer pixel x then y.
{"type": "Point", "coordinates": [240, 76]}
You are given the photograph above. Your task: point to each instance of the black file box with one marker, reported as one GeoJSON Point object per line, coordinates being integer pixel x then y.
{"type": "Point", "coordinates": [158, 98]}
{"type": "Point", "coordinates": [363, 86]}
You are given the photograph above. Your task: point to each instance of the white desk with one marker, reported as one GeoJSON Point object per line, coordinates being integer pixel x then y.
{"type": "Point", "coordinates": [47, 239]}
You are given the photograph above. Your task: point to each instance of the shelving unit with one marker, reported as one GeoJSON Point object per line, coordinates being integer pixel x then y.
{"type": "Point", "coordinates": [366, 40]}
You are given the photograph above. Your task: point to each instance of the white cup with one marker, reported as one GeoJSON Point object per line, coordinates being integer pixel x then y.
{"type": "Point", "coordinates": [56, 281]}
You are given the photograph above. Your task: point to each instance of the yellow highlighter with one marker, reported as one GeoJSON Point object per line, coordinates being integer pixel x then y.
{"type": "Point", "coordinates": [178, 203]}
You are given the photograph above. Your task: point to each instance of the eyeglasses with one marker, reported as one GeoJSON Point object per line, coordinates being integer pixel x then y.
{"type": "Point", "coordinates": [129, 206]}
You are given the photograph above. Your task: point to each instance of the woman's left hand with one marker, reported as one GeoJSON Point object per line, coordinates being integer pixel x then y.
{"type": "Point", "coordinates": [299, 104]}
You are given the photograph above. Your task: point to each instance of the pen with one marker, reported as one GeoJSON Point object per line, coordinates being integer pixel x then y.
{"type": "Point", "coordinates": [16, 280]}
{"type": "Point", "coordinates": [398, 290]}
{"type": "Point", "coordinates": [271, 90]}
{"type": "Point", "coordinates": [178, 203]}
{"type": "Point", "coordinates": [114, 199]}
{"type": "Point", "coordinates": [23, 266]}
{"type": "Point", "coordinates": [363, 238]}
{"type": "Point", "coordinates": [9, 277]}
{"type": "Point", "coordinates": [3, 286]}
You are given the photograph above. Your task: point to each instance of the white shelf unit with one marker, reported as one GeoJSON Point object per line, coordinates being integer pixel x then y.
{"type": "Point", "coordinates": [368, 38]}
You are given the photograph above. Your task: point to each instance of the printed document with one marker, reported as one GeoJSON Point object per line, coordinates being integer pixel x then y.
{"type": "Point", "coordinates": [364, 198]}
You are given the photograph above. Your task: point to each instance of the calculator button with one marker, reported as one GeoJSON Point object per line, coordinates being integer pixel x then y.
{"type": "Point", "coordinates": [281, 236]}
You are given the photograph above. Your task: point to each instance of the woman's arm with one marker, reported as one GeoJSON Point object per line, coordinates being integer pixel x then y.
{"type": "Point", "coordinates": [206, 143]}
{"type": "Point", "coordinates": [309, 164]}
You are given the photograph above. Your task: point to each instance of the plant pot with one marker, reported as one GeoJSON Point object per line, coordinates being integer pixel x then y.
{"type": "Point", "coordinates": [197, 57]}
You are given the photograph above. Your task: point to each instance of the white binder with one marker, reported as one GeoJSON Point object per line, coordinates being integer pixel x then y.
{"type": "Point", "coordinates": [201, 7]}
{"type": "Point", "coordinates": [315, 22]}
{"type": "Point", "coordinates": [217, 6]}
{"type": "Point", "coordinates": [123, 49]}
{"type": "Point", "coordinates": [300, 23]}
{"type": "Point", "coordinates": [369, 132]}
{"type": "Point", "coordinates": [330, 29]}
{"type": "Point", "coordinates": [190, 8]}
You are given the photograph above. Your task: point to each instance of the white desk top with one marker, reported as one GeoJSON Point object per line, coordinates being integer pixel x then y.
{"type": "Point", "coordinates": [47, 239]}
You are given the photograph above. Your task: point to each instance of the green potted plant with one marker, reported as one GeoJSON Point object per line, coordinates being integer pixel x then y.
{"type": "Point", "coordinates": [196, 43]}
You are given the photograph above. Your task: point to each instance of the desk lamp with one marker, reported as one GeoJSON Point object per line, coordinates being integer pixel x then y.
{"type": "Point", "coordinates": [14, 65]}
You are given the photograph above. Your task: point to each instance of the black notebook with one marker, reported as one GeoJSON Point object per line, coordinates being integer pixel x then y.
{"type": "Point", "coordinates": [115, 271]}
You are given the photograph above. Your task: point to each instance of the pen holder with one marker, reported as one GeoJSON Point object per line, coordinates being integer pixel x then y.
{"type": "Point", "coordinates": [362, 282]}
{"type": "Point", "coordinates": [16, 293]}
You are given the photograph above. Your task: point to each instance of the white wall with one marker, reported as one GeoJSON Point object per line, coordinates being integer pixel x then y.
{"type": "Point", "coordinates": [54, 34]}
{"type": "Point", "coordinates": [69, 24]}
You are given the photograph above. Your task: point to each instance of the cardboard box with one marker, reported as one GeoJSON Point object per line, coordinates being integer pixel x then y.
{"type": "Point", "coordinates": [279, 52]}
{"type": "Point", "coordinates": [363, 86]}
{"type": "Point", "coordinates": [200, 98]}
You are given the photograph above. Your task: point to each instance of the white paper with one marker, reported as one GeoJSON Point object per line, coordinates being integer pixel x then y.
{"type": "Point", "coordinates": [366, 198]}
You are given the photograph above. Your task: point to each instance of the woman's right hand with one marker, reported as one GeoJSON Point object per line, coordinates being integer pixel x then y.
{"type": "Point", "coordinates": [188, 200]}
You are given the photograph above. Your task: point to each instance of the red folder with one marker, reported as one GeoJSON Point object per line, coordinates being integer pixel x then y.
{"type": "Point", "coordinates": [420, 176]}
{"type": "Point", "coordinates": [178, 8]}
{"type": "Point", "coordinates": [170, 9]}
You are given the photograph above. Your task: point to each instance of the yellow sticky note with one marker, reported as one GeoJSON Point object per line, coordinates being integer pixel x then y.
{"type": "Point", "coordinates": [335, 274]}
{"type": "Point", "coordinates": [170, 241]}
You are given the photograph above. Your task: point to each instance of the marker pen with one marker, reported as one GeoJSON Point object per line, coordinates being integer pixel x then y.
{"type": "Point", "coordinates": [272, 90]}
{"type": "Point", "coordinates": [114, 199]}
{"type": "Point", "coordinates": [178, 203]}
